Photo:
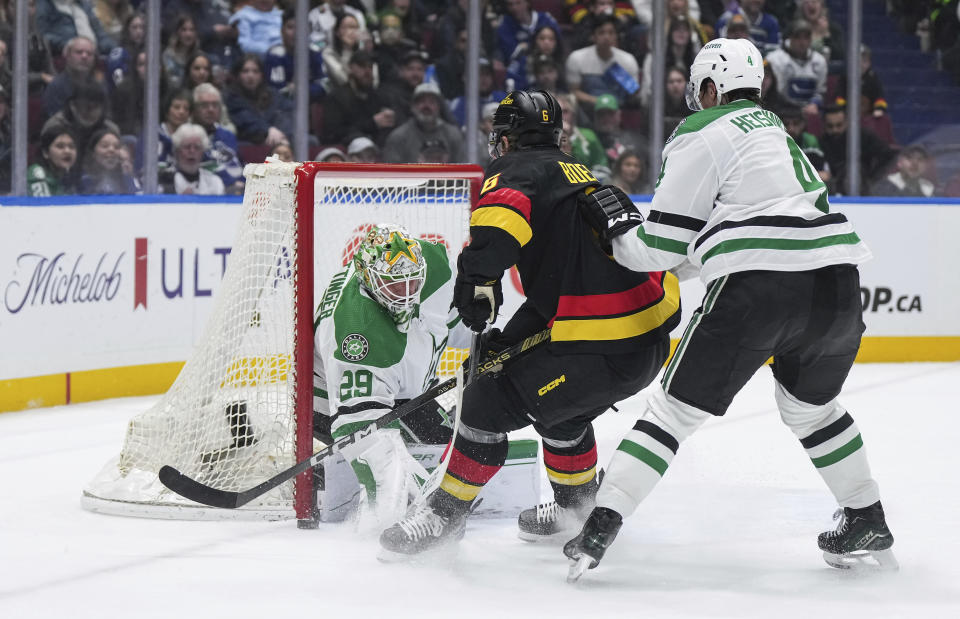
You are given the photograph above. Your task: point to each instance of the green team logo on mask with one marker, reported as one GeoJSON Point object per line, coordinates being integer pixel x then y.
{"type": "Point", "coordinates": [354, 347]}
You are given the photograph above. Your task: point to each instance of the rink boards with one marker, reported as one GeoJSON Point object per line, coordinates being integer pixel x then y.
{"type": "Point", "coordinates": [105, 297]}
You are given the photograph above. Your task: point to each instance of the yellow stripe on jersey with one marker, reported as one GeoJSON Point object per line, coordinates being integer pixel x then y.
{"type": "Point", "coordinates": [570, 479]}
{"type": "Point", "coordinates": [622, 327]}
{"type": "Point", "coordinates": [464, 492]}
{"type": "Point", "coordinates": [506, 219]}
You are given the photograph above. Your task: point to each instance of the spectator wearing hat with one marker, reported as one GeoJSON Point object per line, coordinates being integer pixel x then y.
{"type": "Point", "coordinates": [357, 106]}
{"type": "Point", "coordinates": [487, 91]}
{"type": "Point", "coordinates": [56, 173]}
{"type": "Point", "coordinates": [913, 163]}
{"type": "Point", "coordinates": [607, 124]}
{"type": "Point", "coordinates": [221, 157]}
{"type": "Point", "coordinates": [515, 33]}
{"type": "Point", "coordinates": [764, 28]}
{"type": "Point", "coordinates": [62, 20]}
{"type": "Point", "coordinates": [434, 151]}
{"type": "Point", "coordinates": [603, 68]}
{"type": "Point", "coordinates": [801, 72]}
{"type": "Point", "coordinates": [258, 26]}
{"type": "Point", "coordinates": [547, 75]}
{"type": "Point", "coordinates": [84, 114]}
{"type": "Point", "coordinates": [403, 145]}
{"type": "Point", "coordinates": [680, 53]}
{"type": "Point", "coordinates": [187, 175]}
{"type": "Point", "coordinates": [102, 166]}
{"type": "Point", "coordinates": [484, 128]}
{"type": "Point", "coordinates": [278, 63]}
{"type": "Point", "coordinates": [363, 150]}
{"type": "Point", "coordinates": [332, 154]}
{"type": "Point", "coordinates": [581, 142]}
{"type": "Point", "coordinates": [397, 92]}
{"type": "Point", "coordinates": [80, 59]}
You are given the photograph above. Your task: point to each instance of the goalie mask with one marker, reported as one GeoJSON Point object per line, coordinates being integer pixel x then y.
{"type": "Point", "coordinates": [732, 64]}
{"type": "Point", "coordinates": [391, 268]}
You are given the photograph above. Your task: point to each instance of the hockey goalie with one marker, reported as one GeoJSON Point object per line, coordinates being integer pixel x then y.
{"type": "Point", "coordinates": [381, 328]}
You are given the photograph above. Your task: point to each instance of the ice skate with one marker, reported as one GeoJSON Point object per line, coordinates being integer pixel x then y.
{"type": "Point", "coordinates": [423, 531]}
{"type": "Point", "coordinates": [587, 549]}
{"type": "Point", "coordinates": [548, 521]}
{"type": "Point", "coordinates": [861, 540]}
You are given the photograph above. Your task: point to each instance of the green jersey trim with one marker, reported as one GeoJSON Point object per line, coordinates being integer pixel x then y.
{"type": "Point", "coordinates": [664, 244]}
{"type": "Point", "coordinates": [696, 122]}
{"type": "Point", "coordinates": [732, 245]}
{"type": "Point", "coordinates": [438, 268]}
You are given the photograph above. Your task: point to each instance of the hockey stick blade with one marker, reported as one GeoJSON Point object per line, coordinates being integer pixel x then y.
{"type": "Point", "coordinates": [199, 492]}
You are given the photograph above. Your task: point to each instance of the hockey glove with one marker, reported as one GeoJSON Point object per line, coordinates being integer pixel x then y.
{"type": "Point", "coordinates": [492, 344]}
{"type": "Point", "coordinates": [477, 304]}
{"type": "Point", "coordinates": [610, 212]}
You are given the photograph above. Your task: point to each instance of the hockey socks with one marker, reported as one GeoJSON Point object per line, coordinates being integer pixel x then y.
{"type": "Point", "coordinates": [475, 458]}
{"type": "Point", "coordinates": [572, 468]}
{"type": "Point", "coordinates": [833, 443]}
{"type": "Point", "coordinates": [645, 453]}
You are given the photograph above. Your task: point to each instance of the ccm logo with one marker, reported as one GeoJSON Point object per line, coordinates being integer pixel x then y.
{"type": "Point", "coordinates": [553, 383]}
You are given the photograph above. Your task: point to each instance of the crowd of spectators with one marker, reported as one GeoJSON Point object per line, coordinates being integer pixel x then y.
{"type": "Point", "coordinates": [387, 77]}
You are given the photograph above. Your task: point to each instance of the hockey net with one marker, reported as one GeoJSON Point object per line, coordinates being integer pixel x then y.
{"type": "Point", "coordinates": [241, 409]}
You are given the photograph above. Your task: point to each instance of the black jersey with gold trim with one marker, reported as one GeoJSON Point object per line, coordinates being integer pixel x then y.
{"type": "Point", "coordinates": [527, 216]}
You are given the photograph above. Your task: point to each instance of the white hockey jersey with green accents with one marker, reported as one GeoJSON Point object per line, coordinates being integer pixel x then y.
{"type": "Point", "coordinates": [362, 363]}
{"type": "Point", "coordinates": [735, 193]}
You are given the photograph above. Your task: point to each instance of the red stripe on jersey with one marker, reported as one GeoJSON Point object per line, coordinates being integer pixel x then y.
{"type": "Point", "coordinates": [614, 303]}
{"type": "Point", "coordinates": [507, 197]}
{"type": "Point", "coordinates": [570, 464]}
{"type": "Point", "coordinates": [469, 470]}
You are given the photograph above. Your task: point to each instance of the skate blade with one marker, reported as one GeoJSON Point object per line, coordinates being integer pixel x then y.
{"type": "Point", "coordinates": [443, 554]}
{"type": "Point", "coordinates": [579, 567]}
{"type": "Point", "coordinates": [864, 561]}
{"type": "Point", "coordinates": [560, 536]}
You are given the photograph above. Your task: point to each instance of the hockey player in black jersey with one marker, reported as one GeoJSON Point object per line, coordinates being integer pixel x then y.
{"type": "Point", "coordinates": [609, 330]}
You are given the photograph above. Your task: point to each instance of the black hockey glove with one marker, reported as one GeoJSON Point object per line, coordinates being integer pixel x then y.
{"type": "Point", "coordinates": [492, 344]}
{"type": "Point", "coordinates": [477, 304]}
{"type": "Point", "coordinates": [610, 212]}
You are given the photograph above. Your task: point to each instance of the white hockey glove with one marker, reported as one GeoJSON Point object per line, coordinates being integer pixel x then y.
{"type": "Point", "coordinates": [610, 212]}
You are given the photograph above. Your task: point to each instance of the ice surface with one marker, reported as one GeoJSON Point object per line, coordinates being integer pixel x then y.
{"type": "Point", "coordinates": [730, 532]}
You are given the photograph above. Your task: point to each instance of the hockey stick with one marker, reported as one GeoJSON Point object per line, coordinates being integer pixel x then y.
{"type": "Point", "coordinates": [194, 490]}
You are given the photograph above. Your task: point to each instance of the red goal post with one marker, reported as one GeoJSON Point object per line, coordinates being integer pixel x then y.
{"type": "Point", "coordinates": [242, 407]}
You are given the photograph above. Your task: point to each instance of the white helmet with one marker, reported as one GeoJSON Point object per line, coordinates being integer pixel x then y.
{"type": "Point", "coordinates": [731, 64]}
{"type": "Point", "coordinates": [391, 267]}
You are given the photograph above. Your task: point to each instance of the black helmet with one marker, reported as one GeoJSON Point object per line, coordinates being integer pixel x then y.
{"type": "Point", "coordinates": [528, 118]}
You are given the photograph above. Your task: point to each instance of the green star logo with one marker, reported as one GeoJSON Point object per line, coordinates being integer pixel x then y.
{"type": "Point", "coordinates": [400, 246]}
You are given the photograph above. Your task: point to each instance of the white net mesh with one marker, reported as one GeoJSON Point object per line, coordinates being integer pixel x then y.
{"type": "Point", "coordinates": [228, 420]}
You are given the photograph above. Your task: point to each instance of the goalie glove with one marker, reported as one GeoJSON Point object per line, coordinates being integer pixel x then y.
{"type": "Point", "coordinates": [610, 212]}
{"type": "Point", "coordinates": [477, 304]}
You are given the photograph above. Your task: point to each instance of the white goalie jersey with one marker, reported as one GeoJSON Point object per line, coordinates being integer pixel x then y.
{"type": "Point", "coordinates": [736, 193]}
{"type": "Point", "coordinates": [363, 363]}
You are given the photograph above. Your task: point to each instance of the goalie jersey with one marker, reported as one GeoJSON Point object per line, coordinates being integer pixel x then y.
{"type": "Point", "coordinates": [363, 364]}
{"type": "Point", "coordinates": [736, 193]}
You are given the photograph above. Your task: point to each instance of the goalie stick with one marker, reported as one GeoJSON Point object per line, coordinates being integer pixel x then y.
{"type": "Point", "coordinates": [194, 490]}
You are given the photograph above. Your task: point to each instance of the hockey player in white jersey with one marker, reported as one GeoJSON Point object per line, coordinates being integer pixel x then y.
{"type": "Point", "coordinates": [380, 331]}
{"type": "Point", "coordinates": [738, 199]}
